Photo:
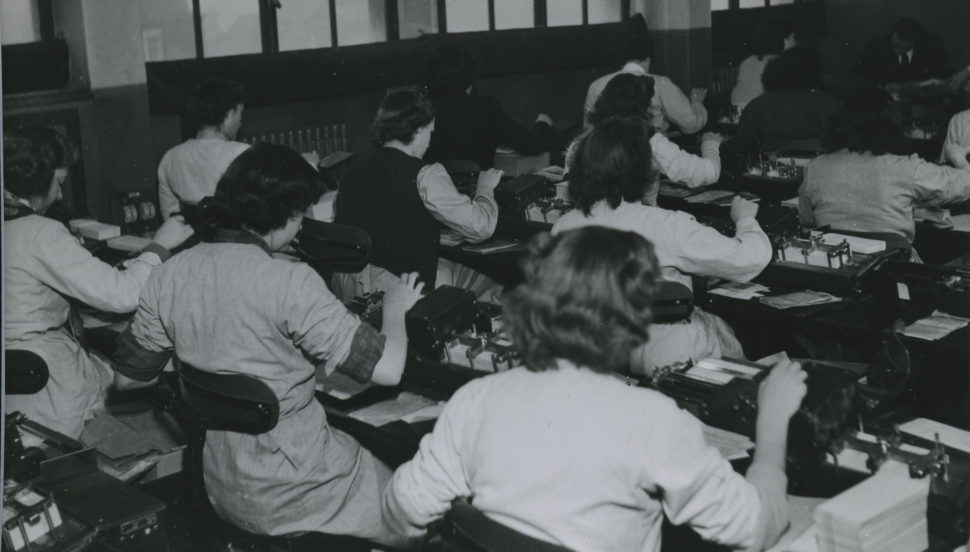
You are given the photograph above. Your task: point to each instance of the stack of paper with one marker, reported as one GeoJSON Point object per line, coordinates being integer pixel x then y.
{"type": "Point", "coordinates": [856, 244]}
{"type": "Point", "coordinates": [799, 299]}
{"type": "Point", "coordinates": [935, 326]}
{"type": "Point", "coordinates": [885, 512]}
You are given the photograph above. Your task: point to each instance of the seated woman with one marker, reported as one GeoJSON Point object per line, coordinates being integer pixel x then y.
{"type": "Point", "coordinates": [563, 451]}
{"type": "Point", "coordinates": [865, 184]}
{"type": "Point", "coordinates": [774, 37]}
{"type": "Point", "coordinates": [470, 126]}
{"type": "Point", "coordinates": [609, 175]}
{"type": "Point", "coordinates": [629, 95]}
{"type": "Point", "coordinates": [792, 113]}
{"type": "Point", "coordinates": [46, 269]}
{"type": "Point", "coordinates": [228, 306]}
{"type": "Point", "coordinates": [404, 203]}
{"type": "Point", "coordinates": [956, 146]}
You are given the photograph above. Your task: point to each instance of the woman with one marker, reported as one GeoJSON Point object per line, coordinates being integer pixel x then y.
{"type": "Point", "coordinates": [773, 38]}
{"type": "Point", "coordinates": [792, 113]}
{"type": "Point", "coordinates": [46, 269]}
{"type": "Point", "coordinates": [470, 126]}
{"type": "Point", "coordinates": [229, 306]}
{"type": "Point", "coordinates": [563, 451]}
{"type": "Point", "coordinates": [865, 183]}
{"type": "Point", "coordinates": [629, 95]}
{"type": "Point", "coordinates": [610, 173]}
{"type": "Point", "coordinates": [403, 202]}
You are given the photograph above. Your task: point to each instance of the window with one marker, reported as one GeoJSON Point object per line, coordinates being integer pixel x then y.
{"type": "Point", "coordinates": [605, 11]}
{"type": "Point", "coordinates": [19, 21]}
{"type": "Point", "coordinates": [167, 30]}
{"type": "Point", "coordinates": [360, 22]}
{"type": "Point", "coordinates": [514, 14]}
{"type": "Point", "coordinates": [719, 5]}
{"type": "Point", "coordinates": [303, 24]}
{"type": "Point", "coordinates": [564, 12]}
{"type": "Point", "coordinates": [417, 17]}
{"type": "Point", "coordinates": [781, 2]}
{"type": "Point", "coordinates": [466, 15]}
{"type": "Point", "coordinates": [751, 4]}
{"type": "Point", "coordinates": [230, 27]}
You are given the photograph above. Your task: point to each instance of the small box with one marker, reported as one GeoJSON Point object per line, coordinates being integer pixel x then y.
{"type": "Point", "coordinates": [99, 231]}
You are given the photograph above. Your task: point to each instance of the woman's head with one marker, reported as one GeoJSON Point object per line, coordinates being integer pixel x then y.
{"type": "Point", "coordinates": [264, 189]}
{"type": "Point", "coordinates": [36, 160]}
{"type": "Point", "coordinates": [402, 116]}
{"type": "Point", "coordinates": [625, 95]}
{"type": "Point", "coordinates": [867, 122]}
{"type": "Point", "coordinates": [451, 72]}
{"type": "Point", "coordinates": [218, 104]}
{"type": "Point", "coordinates": [774, 36]}
{"type": "Point", "coordinates": [612, 162]}
{"type": "Point", "coordinates": [798, 68]}
{"type": "Point", "coordinates": [586, 299]}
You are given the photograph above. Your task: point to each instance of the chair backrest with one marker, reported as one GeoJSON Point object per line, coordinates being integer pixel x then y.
{"type": "Point", "coordinates": [333, 247]}
{"type": "Point", "coordinates": [26, 372]}
{"type": "Point", "coordinates": [227, 402]}
{"type": "Point", "coordinates": [672, 302]}
{"type": "Point", "coordinates": [472, 530]}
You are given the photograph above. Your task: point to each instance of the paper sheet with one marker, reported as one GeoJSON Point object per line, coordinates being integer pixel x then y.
{"type": "Point", "coordinates": [799, 299]}
{"type": "Point", "coordinates": [935, 326]}
{"type": "Point", "coordinates": [732, 446]}
{"type": "Point", "coordinates": [739, 290]}
{"type": "Point", "coordinates": [385, 412]}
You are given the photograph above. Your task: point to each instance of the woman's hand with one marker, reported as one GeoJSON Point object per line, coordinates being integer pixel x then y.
{"type": "Point", "coordinates": [488, 180]}
{"type": "Point", "coordinates": [781, 393]}
{"type": "Point", "coordinates": [173, 232]}
{"type": "Point", "coordinates": [401, 297]}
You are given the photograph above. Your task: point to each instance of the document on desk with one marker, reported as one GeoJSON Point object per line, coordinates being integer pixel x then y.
{"type": "Point", "coordinates": [710, 196]}
{"type": "Point", "coordinates": [732, 446]}
{"type": "Point", "coordinates": [340, 386]}
{"type": "Point", "coordinates": [935, 326]}
{"type": "Point", "coordinates": [928, 429]}
{"type": "Point", "coordinates": [740, 290]}
{"type": "Point", "coordinates": [495, 246]}
{"type": "Point", "coordinates": [799, 299]}
{"type": "Point", "coordinates": [406, 406]}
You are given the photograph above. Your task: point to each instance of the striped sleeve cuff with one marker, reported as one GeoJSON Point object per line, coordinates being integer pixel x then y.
{"type": "Point", "coordinates": [365, 351]}
{"type": "Point", "coordinates": [162, 252]}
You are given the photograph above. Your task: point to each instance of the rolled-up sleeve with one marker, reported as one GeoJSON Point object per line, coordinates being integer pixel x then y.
{"type": "Point", "coordinates": [698, 487]}
{"type": "Point", "coordinates": [422, 489]}
{"type": "Point", "coordinates": [145, 346]}
{"type": "Point", "coordinates": [681, 166]}
{"type": "Point", "coordinates": [472, 219]}
{"type": "Point", "coordinates": [704, 251]}
{"type": "Point", "coordinates": [71, 269]}
{"type": "Point", "coordinates": [936, 185]}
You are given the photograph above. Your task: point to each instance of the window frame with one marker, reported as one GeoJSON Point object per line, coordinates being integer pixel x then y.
{"type": "Point", "coordinates": [269, 28]}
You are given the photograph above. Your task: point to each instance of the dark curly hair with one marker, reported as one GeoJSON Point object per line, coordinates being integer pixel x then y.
{"type": "Point", "coordinates": [31, 154]}
{"type": "Point", "coordinates": [867, 122]}
{"type": "Point", "coordinates": [586, 299]}
{"type": "Point", "coordinates": [612, 162]}
{"type": "Point", "coordinates": [262, 188]}
{"type": "Point", "coordinates": [798, 68]}
{"type": "Point", "coordinates": [400, 115]}
{"type": "Point", "coordinates": [450, 72]}
{"type": "Point", "coordinates": [625, 95]}
{"type": "Point", "coordinates": [211, 101]}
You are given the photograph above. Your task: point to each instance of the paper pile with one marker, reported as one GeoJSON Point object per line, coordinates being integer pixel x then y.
{"type": "Point", "coordinates": [885, 512]}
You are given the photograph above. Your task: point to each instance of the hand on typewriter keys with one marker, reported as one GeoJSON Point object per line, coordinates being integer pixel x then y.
{"type": "Point", "coordinates": [781, 393]}
{"type": "Point", "coordinates": [488, 180]}
{"type": "Point", "coordinates": [741, 208]}
{"type": "Point", "coordinates": [401, 297]}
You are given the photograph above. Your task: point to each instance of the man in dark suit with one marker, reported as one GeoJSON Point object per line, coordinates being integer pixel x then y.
{"type": "Point", "coordinates": [907, 54]}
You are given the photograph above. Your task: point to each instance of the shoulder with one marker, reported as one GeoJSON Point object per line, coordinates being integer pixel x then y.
{"type": "Point", "coordinates": [433, 170]}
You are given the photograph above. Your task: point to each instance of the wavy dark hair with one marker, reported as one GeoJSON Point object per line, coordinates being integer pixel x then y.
{"type": "Point", "coordinates": [867, 122]}
{"type": "Point", "coordinates": [450, 72]}
{"type": "Point", "coordinates": [625, 95]}
{"type": "Point", "coordinates": [400, 115]}
{"type": "Point", "coordinates": [798, 68]}
{"type": "Point", "coordinates": [211, 101]}
{"type": "Point", "coordinates": [586, 299]}
{"type": "Point", "coordinates": [612, 162]}
{"type": "Point", "coordinates": [31, 154]}
{"type": "Point", "coordinates": [262, 188]}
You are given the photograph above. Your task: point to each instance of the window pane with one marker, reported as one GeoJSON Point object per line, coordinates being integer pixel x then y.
{"type": "Point", "coordinates": [466, 15]}
{"type": "Point", "coordinates": [19, 21]}
{"type": "Point", "coordinates": [417, 17]}
{"type": "Point", "coordinates": [780, 2]}
{"type": "Point", "coordinates": [360, 22]}
{"type": "Point", "coordinates": [230, 27]}
{"type": "Point", "coordinates": [752, 4]}
{"type": "Point", "coordinates": [514, 14]}
{"type": "Point", "coordinates": [607, 11]}
{"type": "Point", "coordinates": [564, 12]}
{"type": "Point", "coordinates": [167, 30]}
{"type": "Point", "coordinates": [718, 5]}
{"type": "Point", "coordinates": [303, 24]}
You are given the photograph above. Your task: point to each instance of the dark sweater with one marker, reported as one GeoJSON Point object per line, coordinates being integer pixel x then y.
{"type": "Point", "coordinates": [787, 118]}
{"type": "Point", "coordinates": [379, 193]}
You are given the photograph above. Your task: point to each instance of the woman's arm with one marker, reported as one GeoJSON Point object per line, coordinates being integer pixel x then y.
{"type": "Point", "coordinates": [397, 301]}
{"type": "Point", "coordinates": [473, 219]}
{"type": "Point", "coordinates": [690, 169]}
